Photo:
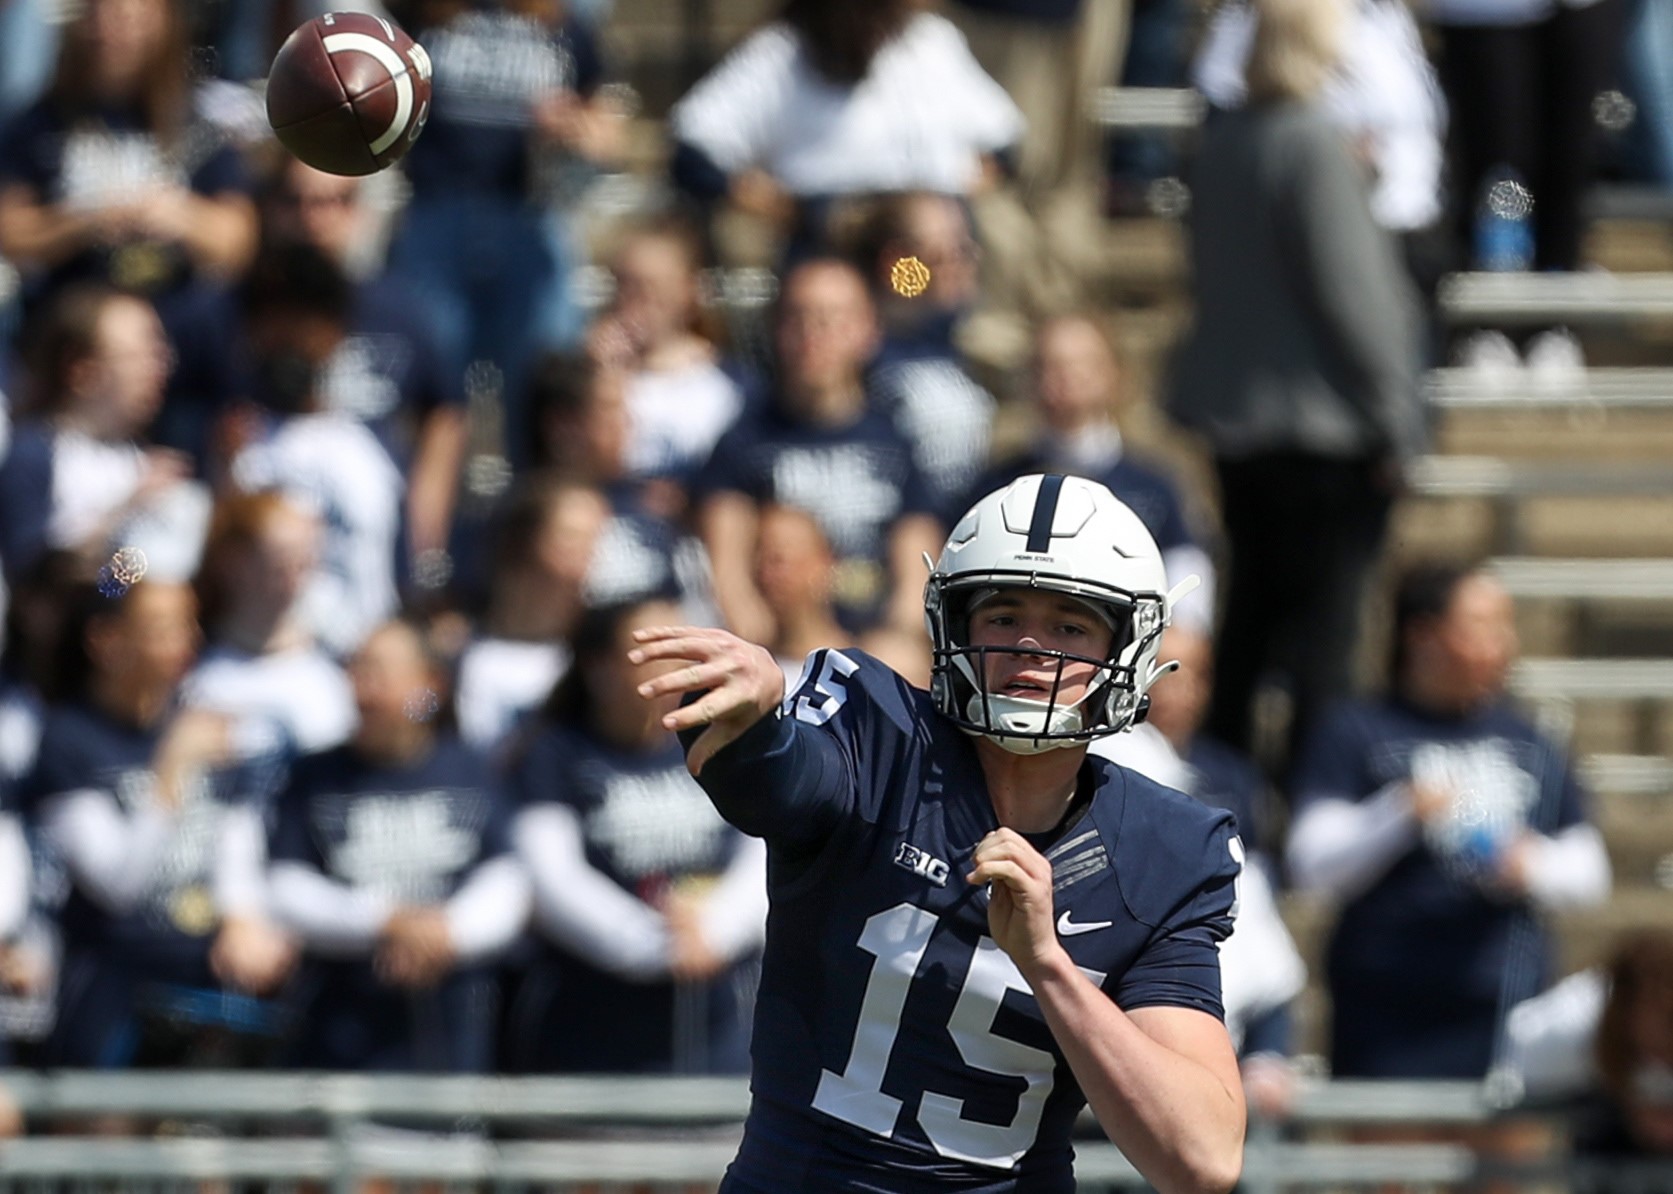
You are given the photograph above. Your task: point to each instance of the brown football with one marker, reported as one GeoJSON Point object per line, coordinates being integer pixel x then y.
{"type": "Point", "coordinates": [348, 93]}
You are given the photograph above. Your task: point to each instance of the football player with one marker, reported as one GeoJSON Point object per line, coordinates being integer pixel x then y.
{"type": "Point", "coordinates": [974, 927]}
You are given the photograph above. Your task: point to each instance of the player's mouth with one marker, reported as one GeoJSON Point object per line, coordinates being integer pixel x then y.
{"type": "Point", "coordinates": [1027, 689]}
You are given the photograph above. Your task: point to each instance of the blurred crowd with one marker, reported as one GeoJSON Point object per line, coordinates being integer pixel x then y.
{"type": "Point", "coordinates": [328, 506]}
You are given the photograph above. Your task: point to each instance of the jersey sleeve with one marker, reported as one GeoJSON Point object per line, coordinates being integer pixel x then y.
{"type": "Point", "coordinates": [823, 756]}
{"type": "Point", "coordinates": [1186, 890]}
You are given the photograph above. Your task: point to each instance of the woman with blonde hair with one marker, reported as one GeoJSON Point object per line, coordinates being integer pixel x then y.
{"type": "Point", "coordinates": [1300, 372]}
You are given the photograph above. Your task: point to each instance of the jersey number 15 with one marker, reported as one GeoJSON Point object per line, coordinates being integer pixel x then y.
{"type": "Point", "coordinates": [897, 938]}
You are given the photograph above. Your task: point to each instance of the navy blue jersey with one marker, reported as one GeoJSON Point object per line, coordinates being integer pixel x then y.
{"type": "Point", "coordinates": [168, 931]}
{"type": "Point", "coordinates": [857, 481]}
{"type": "Point", "coordinates": [1147, 491]}
{"type": "Point", "coordinates": [921, 383]}
{"type": "Point", "coordinates": [1429, 934]}
{"type": "Point", "coordinates": [387, 372]}
{"type": "Point", "coordinates": [646, 822]}
{"type": "Point", "coordinates": [896, 1046]}
{"type": "Point", "coordinates": [489, 69]}
{"type": "Point", "coordinates": [91, 159]}
{"type": "Point", "coordinates": [649, 829]}
{"type": "Point", "coordinates": [413, 834]}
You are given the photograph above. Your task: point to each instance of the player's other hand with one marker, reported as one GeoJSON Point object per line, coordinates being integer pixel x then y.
{"type": "Point", "coordinates": [1019, 900]}
{"type": "Point", "coordinates": [740, 682]}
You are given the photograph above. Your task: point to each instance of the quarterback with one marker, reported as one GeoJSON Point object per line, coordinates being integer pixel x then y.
{"type": "Point", "coordinates": [975, 928]}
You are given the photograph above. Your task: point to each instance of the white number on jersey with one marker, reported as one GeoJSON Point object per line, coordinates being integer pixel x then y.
{"type": "Point", "coordinates": [828, 691]}
{"type": "Point", "coordinates": [897, 939]}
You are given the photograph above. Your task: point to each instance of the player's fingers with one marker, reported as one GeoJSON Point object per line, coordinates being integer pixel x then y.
{"type": "Point", "coordinates": [1002, 870]}
{"type": "Point", "coordinates": [691, 678]}
{"type": "Point", "coordinates": [712, 707]}
{"type": "Point", "coordinates": [1006, 844]}
{"type": "Point", "coordinates": [694, 647]}
{"type": "Point", "coordinates": [656, 634]}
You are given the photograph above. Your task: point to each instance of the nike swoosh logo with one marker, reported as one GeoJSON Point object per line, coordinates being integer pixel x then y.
{"type": "Point", "coordinates": [1067, 928]}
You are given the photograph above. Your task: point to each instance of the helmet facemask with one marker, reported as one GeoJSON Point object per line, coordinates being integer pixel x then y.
{"type": "Point", "coordinates": [1112, 701]}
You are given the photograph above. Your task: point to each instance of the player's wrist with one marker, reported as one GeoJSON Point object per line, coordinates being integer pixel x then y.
{"type": "Point", "coordinates": [1047, 964]}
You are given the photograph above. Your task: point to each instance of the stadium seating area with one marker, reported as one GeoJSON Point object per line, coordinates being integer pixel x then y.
{"type": "Point", "coordinates": [1562, 485]}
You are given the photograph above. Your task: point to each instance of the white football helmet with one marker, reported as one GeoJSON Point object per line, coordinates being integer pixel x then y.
{"type": "Point", "coordinates": [1067, 535]}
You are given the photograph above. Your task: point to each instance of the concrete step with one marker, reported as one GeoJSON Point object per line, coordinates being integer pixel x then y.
{"type": "Point", "coordinates": [1530, 299]}
{"type": "Point", "coordinates": [1616, 387]}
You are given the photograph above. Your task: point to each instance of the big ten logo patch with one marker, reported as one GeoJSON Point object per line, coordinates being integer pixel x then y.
{"type": "Point", "coordinates": [922, 863]}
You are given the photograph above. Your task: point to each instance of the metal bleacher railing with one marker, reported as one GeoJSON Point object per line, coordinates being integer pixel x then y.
{"type": "Point", "coordinates": [663, 1133]}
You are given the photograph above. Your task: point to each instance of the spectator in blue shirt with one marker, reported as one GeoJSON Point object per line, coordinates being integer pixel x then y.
{"type": "Point", "coordinates": [80, 471]}
{"type": "Point", "coordinates": [920, 377]}
{"type": "Point", "coordinates": [119, 175]}
{"type": "Point", "coordinates": [391, 861]}
{"type": "Point", "coordinates": [1445, 824]}
{"type": "Point", "coordinates": [125, 793]}
{"type": "Point", "coordinates": [389, 371]}
{"type": "Point", "coordinates": [517, 124]}
{"type": "Point", "coordinates": [651, 905]}
{"type": "Point", "coordinates": [820, 446]}
{"type": "Point", "coordinates": [1077, 390]}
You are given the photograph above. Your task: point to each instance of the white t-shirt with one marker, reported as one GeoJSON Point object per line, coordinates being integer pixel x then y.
{"type": "Point", "coordinates": [302, 691]}
{"type": "Point", "coordinates": [676, 415]}
{"type": "Point", "coordinates": [91, 480]}
{"type": "Point", "coordinates": [920, 120]}
{"type": "Point", "coordinates": [501, 679]}
{"type": "Point", "coordinates": [334, 465]}
{"type": "Point", "coordinates": [1386, 92]}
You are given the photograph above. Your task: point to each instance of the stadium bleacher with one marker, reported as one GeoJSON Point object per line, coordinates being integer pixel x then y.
{"type": "Point", "coordinates": [1568, 489]}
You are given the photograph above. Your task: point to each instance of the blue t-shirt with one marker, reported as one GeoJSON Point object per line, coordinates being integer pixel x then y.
{"type": "Point", "coordinates": [86, 159]}
{"type": "Point", "coordinates": [489, 68]}
{"type": "Point", "coordinates": [387, 372]}
{"type": "Point", "coordinates": [1429, 933]}
{"type": "Point", "coordinates": [1147, 491]}
{"type": "Point", "coordinates": [167, 934]}
{"type": "Point", "coordinates": [414, 834]}
{"type": "Point", "coordinates": [649, 829]}
{"type": "Point", "coordinates": [896, 1046]}
{"type": "Point", "coordinates": [857, 481]}
{"type": "Point", "coordinates": [920, 382]}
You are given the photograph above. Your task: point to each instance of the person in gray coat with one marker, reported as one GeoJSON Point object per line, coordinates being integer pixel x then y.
{"type": "Point", "coordinates": [1300, 373]}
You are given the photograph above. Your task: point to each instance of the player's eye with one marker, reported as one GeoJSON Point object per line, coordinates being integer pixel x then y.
{"type": "Point", "coordinates": [1072, 630]}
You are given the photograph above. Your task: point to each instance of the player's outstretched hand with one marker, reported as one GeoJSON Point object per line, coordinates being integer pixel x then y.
{"type": "Point", "coordinates": [740, 682]}
{"type": "Point", "coordinates": [1019, 900]}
